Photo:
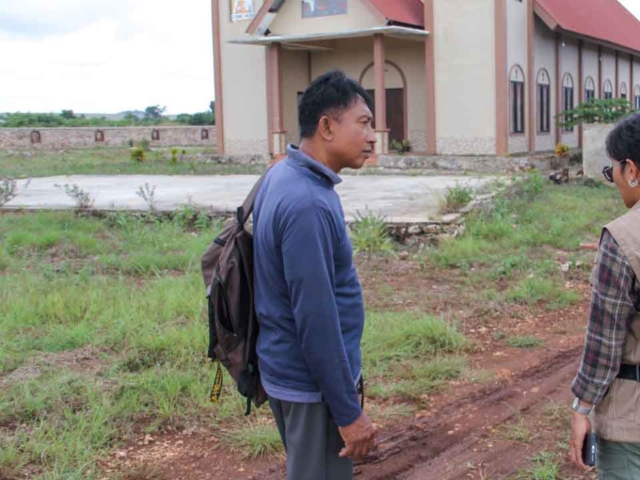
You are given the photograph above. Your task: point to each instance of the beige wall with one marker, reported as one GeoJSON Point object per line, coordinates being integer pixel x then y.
{"type": "Point", "coordinates": [545, 57]}
{"type": "Point", "coordinates": [409, 56]}
{"type": "Point", "coordinates": [517, 55]}
{"type": "Point", "coordinates": [465, 80]}
{"type": "Point", "coordinates": [590, 66]}
{"type": "Point", "coordinates": [624, 70]}
{"type": "Point", "coordinates": [517, 33]}
{"type": "Point", "coordinates": [609, 68]}
{"type": "Point", "coordinates": [290, 22]}
{"type": "Point", "coordinates": [295, 78]}
{"type": "Point", "coordinates": [569, 63]}
{"type": "Point", "coordinates": [244, 89]}
{"type": "Point", "coordinates": [636, 73]}
{"type": "Point", "coordinates": [594, 152]}
{"type": "Point", "coordinates": [353, 56]}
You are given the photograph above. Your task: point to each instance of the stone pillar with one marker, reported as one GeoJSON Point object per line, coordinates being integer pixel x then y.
{"type": "Point", "coordinates": [382, 132]}
{"type": "Point", "coordinates": [277, 133]}
{"type": "Point", "coordinates": [430, 65]}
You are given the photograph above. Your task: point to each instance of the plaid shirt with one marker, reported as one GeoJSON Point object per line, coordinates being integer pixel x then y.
{"type": "Point", "coordinates": [615, 299]}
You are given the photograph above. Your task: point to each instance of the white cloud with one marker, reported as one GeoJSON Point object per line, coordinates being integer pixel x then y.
{"type": "Point", "coordinates": [110, 55]}
{"type": "Point", "coordinates": [633, 6]}
{"type": "Point", "coordinates": [106, 56]}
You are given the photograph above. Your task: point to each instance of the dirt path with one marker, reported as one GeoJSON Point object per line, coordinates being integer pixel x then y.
{"type": "Point", "coordinates": [459, 436]}
{"type": "Point", "coordinates": [474, 429]}
{"type": "Point", "coordinates": [449, 442]}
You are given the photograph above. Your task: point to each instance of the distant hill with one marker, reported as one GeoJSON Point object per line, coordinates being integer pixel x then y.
{"type": "Point", "coordinates": [108, 116]}
{"type": "Point", "coordinates": [120, 116]}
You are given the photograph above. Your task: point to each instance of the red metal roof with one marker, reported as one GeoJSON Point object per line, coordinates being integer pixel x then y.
{"type": "Point", "coordinates": [410, 12]}
{"type": "Point", "coordinates": [605, 20]}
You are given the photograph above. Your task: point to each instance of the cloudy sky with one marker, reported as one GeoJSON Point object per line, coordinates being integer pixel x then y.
{"type": "Point", "coordinates": [106, 56]}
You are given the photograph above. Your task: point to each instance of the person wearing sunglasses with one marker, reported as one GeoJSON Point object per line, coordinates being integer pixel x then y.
{"type": "Point", "coordinates": [607, 386]}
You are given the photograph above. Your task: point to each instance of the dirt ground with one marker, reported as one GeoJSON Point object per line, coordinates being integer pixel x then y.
{"type": "Point", "coordinates": [511, 405]}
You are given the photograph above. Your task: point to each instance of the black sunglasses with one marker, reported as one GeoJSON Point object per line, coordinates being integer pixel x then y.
{"type": "Point", "coordinates": [608, 173]}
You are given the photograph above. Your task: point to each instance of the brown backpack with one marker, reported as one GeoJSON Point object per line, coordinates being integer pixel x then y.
{"type": "Point", "coordinates": [227, 269]}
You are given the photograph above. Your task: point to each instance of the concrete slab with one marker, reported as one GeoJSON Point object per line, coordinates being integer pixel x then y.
{"type": "Point", "coordinates": [398, 198]}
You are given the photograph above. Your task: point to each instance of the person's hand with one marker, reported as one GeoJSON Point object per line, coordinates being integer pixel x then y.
{"type": "Point", "coordinates": [580, 427]}
{"type": "Point", "coordinates": [359, 438]}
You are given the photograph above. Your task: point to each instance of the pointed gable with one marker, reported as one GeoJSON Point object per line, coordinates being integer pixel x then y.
{"type": "Point", "coordinates": [291, 17]}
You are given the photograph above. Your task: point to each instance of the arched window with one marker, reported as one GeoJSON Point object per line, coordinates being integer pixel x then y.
{"type": "Point", "coordinates": [35, 137]}
{"type": "Point", "coordinates": [544, 101]}
{"type": "Point", "coordinates": [623, 91]}
{"type": "Point", "coordinates": [155, 134]}
{"type": "Point", "coordinates": [567, 98]}
{"type": "Point", "coordinates": [99, 136]}
{"type": "Point", "coordinates": [204, 134]}
{"type": "Point", "coordinates": [516, 87]}
{"type": "Point", "coordinates": [608, 90]}
{"type": "Point", "coordinates": [589, 90]}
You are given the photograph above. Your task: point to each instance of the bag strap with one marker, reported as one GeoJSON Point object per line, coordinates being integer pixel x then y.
{"type": "Point", "coordinates": [361, 391]}
{"type": "Point", "coordinates": [245, 211]}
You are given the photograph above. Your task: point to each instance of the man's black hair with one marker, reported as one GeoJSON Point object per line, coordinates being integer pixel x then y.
{"type": "Point", "coordinates": [624, 140]}
{"type": "Point", "coordinates": [330, 93]}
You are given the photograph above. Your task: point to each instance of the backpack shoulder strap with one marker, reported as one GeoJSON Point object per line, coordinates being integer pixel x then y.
{"type": "Point", "coordinates": [245, 211]}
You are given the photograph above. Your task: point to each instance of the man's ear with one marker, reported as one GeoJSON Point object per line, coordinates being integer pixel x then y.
{"type": "Point", "coordinates": [632, 168]}
{"type": "Point", "coordinates": [325, 128]}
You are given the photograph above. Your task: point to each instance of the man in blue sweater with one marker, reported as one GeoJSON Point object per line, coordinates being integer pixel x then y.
{"type": "Point", "coordinates": [308, 296]}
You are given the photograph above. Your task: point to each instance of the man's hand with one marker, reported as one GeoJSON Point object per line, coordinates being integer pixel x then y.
{"type": "Point", "coordinates": [580, 426]}
{"type": "Point", "coordinates": [359, 438]}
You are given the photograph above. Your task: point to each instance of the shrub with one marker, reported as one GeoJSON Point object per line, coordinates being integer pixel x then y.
{"type": "Point", "coordinates": [138, 154]}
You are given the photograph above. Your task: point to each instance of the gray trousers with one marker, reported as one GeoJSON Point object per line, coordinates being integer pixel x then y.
{"type": "Point", "coordinates": [618, 461]}
{"type": "Point", "coordinates": [312, 441]}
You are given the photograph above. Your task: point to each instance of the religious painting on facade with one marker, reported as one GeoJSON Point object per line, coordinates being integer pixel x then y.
{"type": "Point", "coordinates": [323, 8]}
{"type": "Point", "coordinates": [242, 10]}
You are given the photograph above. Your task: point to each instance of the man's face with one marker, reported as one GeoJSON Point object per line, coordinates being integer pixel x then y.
{"type": "Point", "coordinates": [622, 177]}
{"type": "Point", "coordinates": [353, 139]}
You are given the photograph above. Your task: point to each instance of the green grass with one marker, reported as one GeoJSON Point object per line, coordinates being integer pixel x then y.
{"type": "Point", "coordinates": [408, 355]}
{"type": "Point", "coordinates": [389, 412]}
{"type": "Point", "coordinates": [526, 341]}
{"type": "Point", "coordinates": [127, 288]}
{"type": "Point", "coordinates": [517, 239]}
{"type": "Point", "coordinates": [254, 439]}
{"type": "Point", "coordinates": [369, 235]}
{"type": "Point", "coordinates": [544, 466]}
{"type": "Point", "coordinates": [413, 381]}
{"type": "Point", "coordinates": [531, 291]}
{"type": "Point", "coordinates": [114, 161]}
{"type": "Point", "coordinates": [518, 432]}
{"type": "Point", "coordinates": [455, 199]}
{"type": "Point", "coordinates": [558, 415]}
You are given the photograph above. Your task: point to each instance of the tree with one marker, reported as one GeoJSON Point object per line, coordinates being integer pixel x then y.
{"type": "Point", "coordinates": [201, 118]}
{"type": "Point", "coordinates": [184, 118]}
{"type": "Point", "coordinates": [131, 117]}
{"type": "Point", "coordinates": [154, 112]}
{"type": "Point", "coordinates": [212, 106]}
{"type": "Point", "coordinates": [595, 111]}
{"type": "Point", "coordinates": [68, 114]}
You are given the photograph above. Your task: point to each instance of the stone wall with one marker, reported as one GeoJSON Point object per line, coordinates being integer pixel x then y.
{"type": "Point", "coordinates": [594, 154]}
{"type": "Point", "coordinates": [480, 164]}
{"type": "Point", "coordinates": [91, 137]}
